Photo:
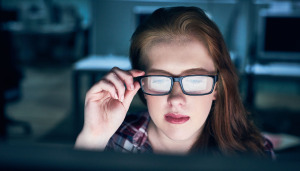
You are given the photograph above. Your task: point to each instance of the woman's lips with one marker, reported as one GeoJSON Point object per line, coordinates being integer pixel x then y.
{"type": "Point", "coordinates": [176, 118]}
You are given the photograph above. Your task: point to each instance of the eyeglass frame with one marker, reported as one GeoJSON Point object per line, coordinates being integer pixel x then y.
{"type": "Point", "coordinates": [177, 79]}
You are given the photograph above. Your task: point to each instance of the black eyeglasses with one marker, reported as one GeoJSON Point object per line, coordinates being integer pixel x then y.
{"type": "Point", "coordinates": [193, 85]}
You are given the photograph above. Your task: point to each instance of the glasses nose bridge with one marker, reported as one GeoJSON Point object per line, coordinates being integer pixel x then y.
{"type": "Point", "coordinates": [177, 79]}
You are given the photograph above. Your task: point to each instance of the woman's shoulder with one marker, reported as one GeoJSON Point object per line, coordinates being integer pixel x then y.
{"type": "Point", "coordinates": [269, 148]}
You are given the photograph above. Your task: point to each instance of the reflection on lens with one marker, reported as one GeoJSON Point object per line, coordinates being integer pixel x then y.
{"type": "Point", "coordinates": [191, 85]}
{"type": "Point", "coordinates": [156, 84]}
{"type": "Point", "coordinates": [197, 84]}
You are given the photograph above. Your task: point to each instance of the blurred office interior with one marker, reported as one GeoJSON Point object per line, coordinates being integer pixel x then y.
{"type": "Point", "coordinates": [50, 49]}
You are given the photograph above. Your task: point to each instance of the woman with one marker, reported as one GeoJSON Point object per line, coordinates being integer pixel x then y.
{"type": "Point", "coordinates": [189, 85]}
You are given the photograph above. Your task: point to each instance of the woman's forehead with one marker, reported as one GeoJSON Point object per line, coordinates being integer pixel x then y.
{"type": "Point", "coordinates": [161, 39]}
{"type": "Point", "coordinates": [178, 57]}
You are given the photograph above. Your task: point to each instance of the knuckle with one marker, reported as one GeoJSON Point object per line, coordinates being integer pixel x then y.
{"type": "Point", "coordinates": [127, 76]}
{"type": "Point", "coordinates": [105, 84]}
{"type": "Point", "coordinates": [103, 81]}
{"type": "Point", "coordinates": [129, 80]}
{"type": "Point", "coordinates": [115, 68]}
{"type": "Point", "coordinates": [113, 75]}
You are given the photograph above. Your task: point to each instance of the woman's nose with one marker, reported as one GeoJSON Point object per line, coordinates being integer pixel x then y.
{"type": "Point", "coordinates": [176, 97]}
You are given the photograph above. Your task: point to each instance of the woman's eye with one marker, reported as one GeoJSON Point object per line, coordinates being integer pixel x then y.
{"type": "Point", "coordinates": [158, 81]}
{"type": "Point", "coordinates": [195, 81]}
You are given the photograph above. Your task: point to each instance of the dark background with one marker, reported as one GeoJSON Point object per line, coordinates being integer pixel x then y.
{"type": "Point", "coordinates": [41, 40]}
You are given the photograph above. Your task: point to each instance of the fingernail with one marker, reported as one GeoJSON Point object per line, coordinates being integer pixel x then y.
{"type": "Point", "coordinates": [116, 97]}
{"type": "Point", "coordinates": [122, 98]}
{"type": "Point", "coordinates": [131, 87]}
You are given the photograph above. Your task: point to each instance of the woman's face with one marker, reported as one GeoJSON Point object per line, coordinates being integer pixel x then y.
{"type": "Point", "coordinates": [179, 58]}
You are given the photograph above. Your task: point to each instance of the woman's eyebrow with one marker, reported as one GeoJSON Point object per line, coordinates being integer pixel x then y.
{"type": "Point", "coordinates": [202, 70]}
{"type": "Point", "coordinates": [159, 71]}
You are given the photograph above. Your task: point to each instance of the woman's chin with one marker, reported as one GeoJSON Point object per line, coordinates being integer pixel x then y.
{"type": "Point", "coordinates": [178, 135]}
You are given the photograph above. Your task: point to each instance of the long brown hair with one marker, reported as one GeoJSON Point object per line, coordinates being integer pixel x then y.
{"type": "Point", "coordinates": [227, 128]}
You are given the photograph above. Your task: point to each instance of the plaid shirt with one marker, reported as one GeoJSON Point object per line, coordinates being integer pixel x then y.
{"type": "Point", "coordinates": [132, 137]}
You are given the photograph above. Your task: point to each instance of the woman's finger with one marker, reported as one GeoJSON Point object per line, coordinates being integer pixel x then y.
{"type": "Point", "coordinates": [118, 83]}
{"type": "Point", "coordinates": [114, 82]}
{"type": "Point", "coordinates": [102, 85]}
{"type": "Point", "coordinates": [136, 73]}
{"type": "Point", "coordinates": [126, 76]}
{"type": "Point", "coordinates": [129, 94]}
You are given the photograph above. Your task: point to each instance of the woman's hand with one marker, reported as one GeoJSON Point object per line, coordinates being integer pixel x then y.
{"type": "Point", "coordinates": [106, 105]}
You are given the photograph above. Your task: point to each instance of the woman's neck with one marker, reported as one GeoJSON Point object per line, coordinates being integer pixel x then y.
{"type": "Point", "coordinates": [161, 143]}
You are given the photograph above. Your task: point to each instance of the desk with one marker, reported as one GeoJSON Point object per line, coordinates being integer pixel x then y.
{"type": "Point", "coordinates": [272, 70]}
{"type": "Point", "coordinates": [92, 66]}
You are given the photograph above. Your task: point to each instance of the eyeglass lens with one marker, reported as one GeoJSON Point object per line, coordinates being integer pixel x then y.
{"type": "Point", "coordinates": [156, 84]}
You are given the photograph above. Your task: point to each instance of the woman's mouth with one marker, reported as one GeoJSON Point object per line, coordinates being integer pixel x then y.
{"type": "Point", "coordinates": [176, 118]}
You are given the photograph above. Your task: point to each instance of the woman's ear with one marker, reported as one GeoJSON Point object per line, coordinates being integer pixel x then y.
{"type": "Point", "coordinates": [215, 95]}
{"type": "Point", "coordinates": [215, 92]}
